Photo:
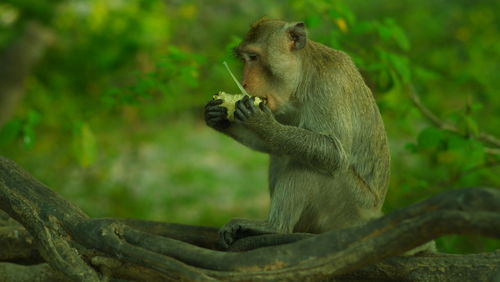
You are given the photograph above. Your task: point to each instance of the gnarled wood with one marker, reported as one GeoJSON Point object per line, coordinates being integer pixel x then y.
{"type": "Point", "coordinates": [88, 249]}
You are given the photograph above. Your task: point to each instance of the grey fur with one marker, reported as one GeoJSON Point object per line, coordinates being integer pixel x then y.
{"type": "Point", "coordinates": [329, 158]}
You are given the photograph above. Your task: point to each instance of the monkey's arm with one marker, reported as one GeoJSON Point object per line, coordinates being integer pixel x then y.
{"type": "Point", "coordinates": [315, 149]}
{"type": "Point", "coordinates": [318, 150]}
{"type": "Point", "coordinates": [246, 137]}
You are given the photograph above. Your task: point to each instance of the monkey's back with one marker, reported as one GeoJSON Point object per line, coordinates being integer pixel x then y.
{"type": "Point", "coordinates": [333, 100]}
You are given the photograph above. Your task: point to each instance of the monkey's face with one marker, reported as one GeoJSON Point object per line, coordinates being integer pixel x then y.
{"type": "Point", "coordinates": [271, 63]}
{"type": "Point", "coordinates": [258, 79]}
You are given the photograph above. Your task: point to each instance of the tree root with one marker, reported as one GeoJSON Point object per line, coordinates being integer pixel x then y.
{"type": "Point", "coordinates": [86, 249]}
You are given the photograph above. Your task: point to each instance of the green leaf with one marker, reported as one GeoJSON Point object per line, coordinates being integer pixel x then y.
{"type": "Point", "coordinates": [468, 153]}
{"type": "Point", "coordinates": [383, 31]}
{"type": "Point", "coordinates": [472, 127]}
{"type": "Point", "coordinates": [410, 147]}
{"type": "Point", "coordinates": [429, 138]}
{"type": "Point", "coordinates": [401, 65]}
{"type": "Point", "coordinates": [177, 54]}
{"type": "Point", "coordinates": [312, 21]}
{"type": "Point", "coordinates": [10, 131]}
{"type": "Point", "coordinates": [476, 154]}
{"type": "Point", "coordinates": [29, 135]}
{"type": "Point", "coordinates": [456, 143]}
{"type": "Point", "coordinates": [399, 35]}
{"type": "Point", "coordinates": [476, 107]}
{"type": "Point", "coordinates": [425, 74]}
{"type": "Point", "coordinates": [396, 33]}
{"type": "Point", "coordinates": [235, 41]}
{"type": "Point", "coordinates": [385, 80]}
{"type": "Point", "coordinates": [363, 27]}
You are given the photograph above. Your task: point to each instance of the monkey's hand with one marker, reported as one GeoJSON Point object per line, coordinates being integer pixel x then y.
{"type": "Point", "coordinates": [252, 116]}
{"type": "Point", "coordinates": [216, 116]}
{"type": "Point", "coordinates": [238, 228]}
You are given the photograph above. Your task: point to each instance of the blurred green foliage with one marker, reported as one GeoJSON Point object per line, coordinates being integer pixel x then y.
{"type": "Point", "coordinates": [111, 118]}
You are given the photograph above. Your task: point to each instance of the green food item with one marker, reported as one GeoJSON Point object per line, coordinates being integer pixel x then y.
{"type": "Point", "coordinates": [229, 101]}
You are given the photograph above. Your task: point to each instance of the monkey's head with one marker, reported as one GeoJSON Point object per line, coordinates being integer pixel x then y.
{"type": "Point", "coordinates": [271, 54]}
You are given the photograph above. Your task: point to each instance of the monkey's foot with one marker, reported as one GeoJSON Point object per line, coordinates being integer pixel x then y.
{"type": "Point", "coordinates": [240, 228]}
{"type": "Point", "coordinates": [227, 234]}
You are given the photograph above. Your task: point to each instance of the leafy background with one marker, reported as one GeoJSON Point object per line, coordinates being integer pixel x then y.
{"type": "Point", "coordinates": [112, 115]}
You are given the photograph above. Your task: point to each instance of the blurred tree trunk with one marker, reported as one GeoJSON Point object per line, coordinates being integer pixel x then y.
{"type": "Point", "coordinates": [16, 62]}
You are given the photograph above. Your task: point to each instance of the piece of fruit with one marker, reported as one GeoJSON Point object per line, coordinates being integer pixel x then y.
{"type": "Point", "coordinates": [229, 101]}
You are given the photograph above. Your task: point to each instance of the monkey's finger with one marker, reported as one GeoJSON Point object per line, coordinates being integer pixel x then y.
{"type": "Point", "coordinates": [214, 102]}
{"type": "Point", "coordinates": [224, 239]}
{"type": "Point", "coordinates": [249, 105]}
{"type": "Point", "coordinates": [245, 98]}
{"type": "Point", "coordinates": [210, 106]}
{"type": "Point", "coordinates": [228, 239]}
{"type": "Point", "coordinates": [239, 116]}
{"type": "Point", "coordinates": [215, 116]}
{"type": "Point", "coordinates": [240, 105]}
{"type": "Point", "coordinates": [212, 114]}
{"type": "Point", "coordinates": [216, 109]}
{"type": "Point", "coordinates": [217, 120]}
{"type": "Point", "coordinates": [212, 124]}
{"type": "Point", "coordinates": [246, 102]}
{"type": "Point", "coordinates": [265, 108]}
{"type": "Point", "coordinates": [222, 124]}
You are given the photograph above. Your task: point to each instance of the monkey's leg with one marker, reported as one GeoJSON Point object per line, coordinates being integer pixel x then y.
{"type": "Point", "coordinates": [287, 205]}
{"type": "Point", "coordinates": [292, 192]}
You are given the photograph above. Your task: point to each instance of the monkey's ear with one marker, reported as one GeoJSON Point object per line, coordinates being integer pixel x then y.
{"type": "Point", "coordinates": [297, 34]}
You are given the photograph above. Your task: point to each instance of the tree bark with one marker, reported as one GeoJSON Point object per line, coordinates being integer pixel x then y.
{"type": "Point", "coordinates": [86, 249]}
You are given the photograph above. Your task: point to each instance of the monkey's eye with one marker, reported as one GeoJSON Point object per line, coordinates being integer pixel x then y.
{"type": "Point", "coordinates": [251, 56]}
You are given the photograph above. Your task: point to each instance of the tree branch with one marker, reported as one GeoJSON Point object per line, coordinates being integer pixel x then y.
{"type": "Point", "coordinates": [131, 249]}
{"type": "Point", "coordinates": [484, 137]}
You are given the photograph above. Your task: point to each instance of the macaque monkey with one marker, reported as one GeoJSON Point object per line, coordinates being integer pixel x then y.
{"type": "Point", "coordinates": [329, 158]}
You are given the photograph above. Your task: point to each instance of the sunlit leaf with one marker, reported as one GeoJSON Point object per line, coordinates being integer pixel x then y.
{"type": "Point", "coordinates": [99, 11]}
{"type": "Point", "coordinates": [85, 144]}
{"type": "Point", "coordinates": [341, 24]}
{"type": "Point", "coordinates": [29, 135]}
{"type": "Point", "coordinates": [188, 10]}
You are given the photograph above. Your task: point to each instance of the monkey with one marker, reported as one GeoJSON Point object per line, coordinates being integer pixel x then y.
{"type": "Point", "coordinates": [329, 157]}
